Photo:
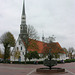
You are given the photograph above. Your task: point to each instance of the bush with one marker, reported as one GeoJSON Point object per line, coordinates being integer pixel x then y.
{"type": "Point", "coordinates": [66, 61]}
{"type": "Point", "coordinates": [4, 61]}
{"type": "Point", "coordinates": [69, 60]}
{"type": "Point", "coordinates": [17, 62]}
{"type": "Point", "coordinates": [32, 62]}
{"type": "Point", "coordinates": [40, 62]}
{"type": "Point", "coordinates": [1, 60]}
{"type": "Point", "coordinates": [59, 61]}
{"type": "Point", "coordinates": [28, 62]}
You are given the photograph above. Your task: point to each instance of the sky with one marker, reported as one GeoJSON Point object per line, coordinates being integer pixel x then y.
{"type": "Point", "coordinates": [49, 17]}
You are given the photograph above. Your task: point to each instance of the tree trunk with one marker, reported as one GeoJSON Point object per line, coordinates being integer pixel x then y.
{"type": "Point", "coordinates": [25, 55]}
{"type": "Point", "coordinates": [50, 67]}
{"type": "Point", "coordinates": [5, 53]}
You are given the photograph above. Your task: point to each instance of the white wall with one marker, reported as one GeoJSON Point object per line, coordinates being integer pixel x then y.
{"type": "Point", "coordinates": [62, 57]}
{"type": "Point", "coordinates": [12, 58]}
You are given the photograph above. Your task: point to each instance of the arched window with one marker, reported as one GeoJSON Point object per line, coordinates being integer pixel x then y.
{"type": "Point", "coordinates": [21, 47]}
{"type": "Point", "coordinates": [23, 53]}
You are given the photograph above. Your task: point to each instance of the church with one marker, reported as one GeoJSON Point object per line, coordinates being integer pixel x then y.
{"type": "Point", "coordinates": [21, 43]}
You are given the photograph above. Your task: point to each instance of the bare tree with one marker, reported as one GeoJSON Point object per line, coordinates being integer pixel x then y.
{"type": "Point", "coordinates": [66, 51]}
{"type": "Point", "coordinates": [31, 34]}
{"type": "Point", "coordinates": [50, 39]}
{"type": "Point", "coordinates": [70, 51]}
{"type": "Point", "coordinates": [1, 55]}
{"type": "Point", "coordinates": [46, 45]}
{"type": "Point", "coordinates": [55, 47]}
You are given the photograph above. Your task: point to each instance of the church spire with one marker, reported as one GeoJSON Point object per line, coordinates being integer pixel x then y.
{"type": "Point", "coordinates": [23, 18]}
{"type": "Point", "coordinates": [23, 26]}
{"type": "Point", "coordinates": [23, 11]}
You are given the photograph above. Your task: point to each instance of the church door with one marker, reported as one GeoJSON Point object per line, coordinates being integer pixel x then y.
{"type": "Point", "coordinates": [19, 59]}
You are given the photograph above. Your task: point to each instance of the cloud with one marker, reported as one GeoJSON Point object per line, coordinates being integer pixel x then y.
{"type": "Point", "coordinates": [51, 16]}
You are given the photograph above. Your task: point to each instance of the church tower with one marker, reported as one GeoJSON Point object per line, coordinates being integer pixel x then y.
{"type": "Point", "coordinates": [23, 26]}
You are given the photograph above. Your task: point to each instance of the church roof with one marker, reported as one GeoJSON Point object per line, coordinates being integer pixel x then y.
{"type": "Point", "coordinates": [42, 47]}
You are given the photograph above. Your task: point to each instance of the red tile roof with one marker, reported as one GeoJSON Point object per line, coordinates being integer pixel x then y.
{"type": "Point", "coordinates": [41, 47]}
{"type": "Point", "coordinates": [55, 48]}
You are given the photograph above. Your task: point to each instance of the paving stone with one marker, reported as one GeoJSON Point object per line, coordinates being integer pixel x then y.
{"type": "Point", "coordinates": [29, 69]}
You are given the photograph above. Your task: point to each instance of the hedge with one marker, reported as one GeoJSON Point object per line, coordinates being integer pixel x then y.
{"type": "Point", "coordinates": [39, 62]}
{"type": "Point", "coordinates": [28, 62]}
{"type": "Point", "coordinates": [69, 60]}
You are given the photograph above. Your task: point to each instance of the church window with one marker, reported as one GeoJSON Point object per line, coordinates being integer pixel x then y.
{"type": "Point", "coordinates": [23, 53]}
{"type": "Point", "coordinates": [21, 47]}
{"type": "Point", "coordinates": [19, 42]}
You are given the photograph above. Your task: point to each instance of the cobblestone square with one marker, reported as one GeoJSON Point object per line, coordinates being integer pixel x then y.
{"type": "Point", "coordinates": [29, 69]}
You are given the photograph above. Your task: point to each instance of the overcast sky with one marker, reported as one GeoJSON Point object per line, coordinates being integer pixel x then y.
{"type": "Point", "coordinates": [51, 17]}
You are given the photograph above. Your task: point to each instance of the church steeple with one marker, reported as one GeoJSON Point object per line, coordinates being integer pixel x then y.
{"type": "Point", "coordinates": [23, 11]}
{"type": "Point", "coordinates": [23, 17]}
{"type": "Point", "coordinates": [23, 26]}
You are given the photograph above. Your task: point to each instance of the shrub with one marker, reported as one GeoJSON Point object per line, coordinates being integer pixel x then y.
{"type": "Point", "coordinates": [69, 60]}
{"type": "Point", "coordinates": [28, 62]}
